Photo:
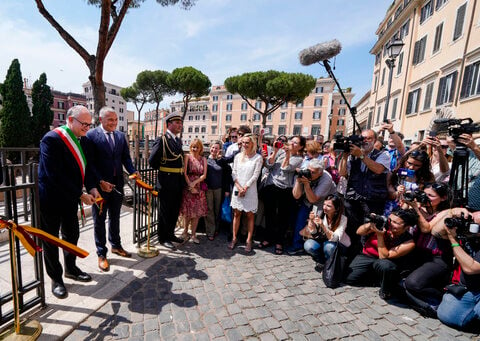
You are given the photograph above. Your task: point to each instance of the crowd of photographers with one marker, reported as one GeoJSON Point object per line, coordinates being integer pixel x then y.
{"type": "Point", "coordinates": [400, 217]}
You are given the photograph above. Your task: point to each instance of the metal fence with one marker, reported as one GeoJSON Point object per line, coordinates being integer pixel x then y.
{"type": "Point", "coordinates": [19, 202]}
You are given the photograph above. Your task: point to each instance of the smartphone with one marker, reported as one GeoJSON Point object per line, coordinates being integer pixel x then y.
{"type": "Point", "coordinates": [265, 148]}
{"type": "Point", "coordinates": [278, 144]}
{"type": "Point", "coordinates": [315, 210]}
{"type": "Point", "coordinates": [432, 133]}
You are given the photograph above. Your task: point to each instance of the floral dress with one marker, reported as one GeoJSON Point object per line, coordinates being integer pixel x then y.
{"type": "Point", "coordinates": [194, 205]}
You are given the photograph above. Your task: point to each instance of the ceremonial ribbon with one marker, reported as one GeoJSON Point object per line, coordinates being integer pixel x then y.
{"type": "Point", "coordinates": [99, 202]}
{"type": "Point", "coordinates": [143, 184]}
{"type": "Point", "coordinates": [23, 232]}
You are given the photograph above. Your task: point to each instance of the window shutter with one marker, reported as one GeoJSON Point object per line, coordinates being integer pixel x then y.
{"type": "Point", "coordinates": [409, 103]}
{"type": "Point", "coordinates": [467, 82]}
{"type": "Point", "coordinates": [441, 90]}
{"type": "Point", "coordinates": [452, 88]}
{"type": "Point", "coordinates": [459, 22]}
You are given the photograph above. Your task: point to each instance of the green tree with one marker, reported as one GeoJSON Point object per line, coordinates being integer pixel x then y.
{"type": "Point", "coordinates": [15, 115]}
{"type": "Point", "coordinates": [190, 82]}
{"type": "Point", "coordinates": [42, 115]}
{"type": "Point", "coordinates": [155, 83]}
{"type": "Point", "coordinates": [136, 96]}
{"type": "Point", "coordinates": [112, 13]}
{"type": "Point", "coordinates": [273, 88]}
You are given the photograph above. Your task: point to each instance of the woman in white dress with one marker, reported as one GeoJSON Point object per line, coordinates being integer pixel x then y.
{"type": "Point", "coordinates": [246, 169]}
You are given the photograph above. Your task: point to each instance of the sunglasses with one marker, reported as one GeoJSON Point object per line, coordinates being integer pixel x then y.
{"type": "Point", "coordinates": [444, 147]}
{"type": "Point", "coordinates": [419, 155]}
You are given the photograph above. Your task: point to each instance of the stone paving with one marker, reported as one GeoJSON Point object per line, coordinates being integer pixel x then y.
{"type": "Point", "coordinates": [207, 292]}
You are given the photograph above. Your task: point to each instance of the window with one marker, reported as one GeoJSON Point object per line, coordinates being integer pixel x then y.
{"type": "Point", "coordinates": [394, 108]}
{"type": "Point", "coordinates": [214, 129]}
{"type": "Point", "coordinates": [283, 116]}
{"type": "Point", "coordinates": [375, 82]}
{"type": "Point", "coordinates": [419, 50]}
{"type": "Point", "coordinates": [197, 117]}
{"type": "Point", "coordinates": [190, 117]}
{"type": "Point", "coordinates": [427, 103]}
{"type": "Point", "coordinates": [61, 105]}
{"type": "Point", "coordinates": [342, 111]}
{"type": "Point", "coordinates": [197, 129]}
{"type": "Point", "coordinates": [299, 104]}
{"type": "Point", "coordinates": [404, 29]}
{"type": "Point", "coordinates": [269, 117]}
{"type": "Point", "coordinates": [315, 130]}
{"type": "Point", "coordinates": [297, 130]}
{"type": "Point", "coordinates": [61, 117]}
{"type": "Point", "coordinates": [203, 129]}
{"type": "Point", "coordinates": [318, 102]}
{"type": "Point", "coordinates": [215, 107]}
{"type": "Point", "coordinates": [268, 130]}
{"type": "Point", "coordinates": [244, 105]}
{"type": "Point", "coordinates": [228, 117]}
{"type": "Point", "coordinates": [319, 89]}
{"type": "Point", "coordinates": [341, 101]}
{"type": "Point", "coordinates": [243, 117]}
{"type": "Point", "coordinates": [377, 58]}
{"type": "Point", "coordinates": [383, 77]}
{"type": "Point", "coordinates": [229, 97]}
{"type": "Point", "coordinates": [229, 106]}
{"type": "Point", "coordinates": [341, 122]}
{"type": "Point", "coordinates": [438, 38]}
{"type": "Point", "coordinates": [282, 130]}
{"type": "Point", "coordinates": [190, 129]}
{"type": "Point", "coordinates": [214, 118]}
{"type": "Point", "coordinates": [446, 88]}
{"type": "Point", "coordinates": [215, 98]}
{"type": "Point", "coordinates": [256, 117]}
{"type": "Point", "coordinates": [413, 100]}
{"type": "Point", "coordinates": [258, 105]}
{"type": "Point", "coordinates": [203, 117]}
{"type": "Point", "coordinates": [471, 81]}
{"type": "Point", "coordinates": [298, 115]}
{"type": "Point", "coordinates": [426, 12]}
{"type": "Point", "coordinates": [317, 115]}
{"type": "Point", "coordinates": [459, 21]}
{"type": "Point", "coordinates": [440, 4]}
{"type": "Point", "coordinates": [284, 105]}
{"type": "Point", "coordinates": [379, 111]}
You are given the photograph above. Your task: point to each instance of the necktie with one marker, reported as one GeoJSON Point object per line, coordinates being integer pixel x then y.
{"type": "Point", "coordinates": [110, 140]}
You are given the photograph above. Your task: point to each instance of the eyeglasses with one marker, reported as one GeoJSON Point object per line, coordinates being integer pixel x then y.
{"type": "Point", "coordinates": [444, 146]}
{"type": "Point", "coordinates": [84, 124]}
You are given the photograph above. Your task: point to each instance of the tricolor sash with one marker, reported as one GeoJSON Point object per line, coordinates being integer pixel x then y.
{"type": "Point", "coordinates": [72, 143]}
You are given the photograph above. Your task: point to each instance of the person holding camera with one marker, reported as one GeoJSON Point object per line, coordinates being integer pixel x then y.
{"type": "Point", "coordinates": [277, 193]}
{"type": "Point", "coordinates": [312, 186]}
{"type": "Point", "coordinates": [460, 305]}
{"type": "Point", "coordinates": [396, 148]}
{"type": "Point", "coordinates": [325, 230]}
{"type": "Point", "coordinates": [433, 255]}
{"type": "Point", "coordinates": [385, 251]}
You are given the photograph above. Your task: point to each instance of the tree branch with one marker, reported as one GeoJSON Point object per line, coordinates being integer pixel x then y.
{"type": "Point", "coordinates": [102, 38]}
{"type": "Point", "coordinates": [117, 22]}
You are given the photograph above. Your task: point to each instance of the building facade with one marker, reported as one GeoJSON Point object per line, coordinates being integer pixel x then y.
{"type": "Point", "coordinates": [437, 70]}
{"type": "Point", "coordinates": [323, 112]}
{"type": "Point", "coordinates": [150, 121]}
{"type": "Point", "coordinates": [112, 99]}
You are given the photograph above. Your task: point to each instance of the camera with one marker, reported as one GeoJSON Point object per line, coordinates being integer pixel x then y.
{"type": "Point", "coordinates": [420, 196]}
{"type": "Point", "coordinates": [306, 173]}
{"type": "Point", "coordinates": [278, 144]}
{"type": "Point", "coordinates": [380, 221]}
{"type": "Point", "coordinates": [405, 173]}
{"type": "Point", "coordinates": [462, 223]}
{"type": "Point", "coordinates": [235, 192]}
{"type": "Point", "coordinates": [343, 143]}
{"type": "Point", "coordinates": [459, 126]}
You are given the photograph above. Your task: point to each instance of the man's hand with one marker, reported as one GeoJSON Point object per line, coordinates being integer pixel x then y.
{"type": "Point", "coordinates": [95, 193]}
{"type": "Point", "coordinates": [467, 140]}
{"type": "Point", "coordinates": [106, 187]}
{"type": "Point", "coordinates": [87, 199]}
{"type": "Point", "coordinates": [355, 151]}
{"type": "Point", "coordinates": [388, 127]}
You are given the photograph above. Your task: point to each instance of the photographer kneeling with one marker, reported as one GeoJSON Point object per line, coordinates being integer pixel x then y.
{"type": "Point", "coordinates": [312, 186]}
{"type": "Point", "coordinates": [385, 251]}
{"type": "Point", "coordinates": [460, 306]}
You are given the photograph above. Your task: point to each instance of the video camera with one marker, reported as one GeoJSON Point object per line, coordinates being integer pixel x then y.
{"type": "Point", "coordinates": [459, 126]}
{"type": "Point", "coordinates": [306, 173]}
{"type": "Point", "coordinates": [342, 143]}
{"type": "Point", "coordinates": [380, 221]}
{"type": "Point", "coordinates": [420, 196]}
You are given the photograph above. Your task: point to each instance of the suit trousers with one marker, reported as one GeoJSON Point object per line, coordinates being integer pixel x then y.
{"type": "Point", "coordinates": [170, 196]}
{"type": "Point", "coordinates": [65, 222]}
{"type": "Point", "coordinates": [112, 205]}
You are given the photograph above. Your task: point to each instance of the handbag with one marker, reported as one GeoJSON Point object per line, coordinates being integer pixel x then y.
{"type": "Point", "coordinates": [226, 214]}
{"type": "Point", "coordinates": [203, 186]}
{"type": "Point", "coordinates": [333, 271]}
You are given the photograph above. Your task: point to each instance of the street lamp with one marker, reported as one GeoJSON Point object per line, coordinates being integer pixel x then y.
{"type": "Point", "coordinates": [393, 50]}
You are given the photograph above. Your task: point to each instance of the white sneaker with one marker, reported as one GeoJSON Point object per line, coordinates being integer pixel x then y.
{"type": "Point", "coordinates": [195, 240]}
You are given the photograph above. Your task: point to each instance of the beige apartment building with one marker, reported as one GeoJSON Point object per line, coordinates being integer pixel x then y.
{"type": "Point", "coordinates": [149, 123]}
{"type": "Point", "coordinates": [437, 71]}
{"type": "Point", "coordinates": [323, 112]}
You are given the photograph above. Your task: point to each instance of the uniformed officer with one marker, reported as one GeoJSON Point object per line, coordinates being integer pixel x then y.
{"type": "Point", "coordinates": [167, 157]}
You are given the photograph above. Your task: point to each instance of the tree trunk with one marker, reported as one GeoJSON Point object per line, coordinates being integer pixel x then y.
{"type": "Point", "coordinates": [98, 91]}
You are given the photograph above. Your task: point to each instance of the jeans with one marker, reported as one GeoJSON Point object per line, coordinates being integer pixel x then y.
{"type": "Point", "coordinates": [459, 312]}
{"type": "Point", "coordinates": [301, 221]}
{"type": "Point", "coordinates": [320, 251]}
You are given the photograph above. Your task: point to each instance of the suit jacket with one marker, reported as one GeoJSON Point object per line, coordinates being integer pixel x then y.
{"type": "Point", "coordinates": [173, 156]}
{"type": "Point", "coordinates": [59, 176]}
{"type": "Point", "coordinates": [102, 162]}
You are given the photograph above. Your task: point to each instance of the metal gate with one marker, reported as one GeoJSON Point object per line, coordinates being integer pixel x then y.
{"type": "Point", "coordinates": [144, 213]}
{"type": "Point", "coordinates": [19, 202]}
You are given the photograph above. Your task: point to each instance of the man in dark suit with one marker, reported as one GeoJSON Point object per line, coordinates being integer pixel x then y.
{"type": "Point", "coordinates": [106, 150]}
{"type": "Point", "coordinates": [167, 157]}
{"type": "Point", "coordinates": [60, 181]}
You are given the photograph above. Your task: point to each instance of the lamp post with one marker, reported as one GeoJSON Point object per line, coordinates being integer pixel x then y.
{"type": "Point", "coordinates": [393, 50]}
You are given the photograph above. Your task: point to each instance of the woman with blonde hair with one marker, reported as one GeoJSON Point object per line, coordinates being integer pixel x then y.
{"type": "Point", "coordinates": [246, 169]}
{"type": "Point", "coordinates": [194, 202]}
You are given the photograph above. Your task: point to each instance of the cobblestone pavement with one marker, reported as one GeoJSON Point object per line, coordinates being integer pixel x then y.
{"type": "Point", "coordinates": [207, 292]}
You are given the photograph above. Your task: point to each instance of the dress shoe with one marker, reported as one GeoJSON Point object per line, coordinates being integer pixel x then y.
{"type": "Point", "coordinates": [103, 264]}
{"type": "Point", "coordinates": [59, 290]}
{"type": "Point", "coordinates": [78, 275]}
{"type": "Point", "coordinates": [169, 245]}
{"type": "Point", "coordinates": [177, 240]}
{"type": "Point", "coordinates": [121, 252]}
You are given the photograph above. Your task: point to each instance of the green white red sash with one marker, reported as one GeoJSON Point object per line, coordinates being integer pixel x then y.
{"type": "Point", "coordinates": [74, 146]}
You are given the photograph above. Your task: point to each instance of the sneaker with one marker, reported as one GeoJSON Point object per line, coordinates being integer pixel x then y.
{"type": "Point", "coordinates": [319, 267]}
{"type": "Point", "coordinates": [195, 240]}
{"type": "Point", "coordinates": [295, 252]}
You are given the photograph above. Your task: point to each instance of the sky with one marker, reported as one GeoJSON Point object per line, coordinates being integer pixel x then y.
{"type": "Point", "coordinates": [221, 38]}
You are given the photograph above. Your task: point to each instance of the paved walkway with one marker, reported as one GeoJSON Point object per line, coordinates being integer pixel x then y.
{"type": "Point", "coordinates": [204, 292]}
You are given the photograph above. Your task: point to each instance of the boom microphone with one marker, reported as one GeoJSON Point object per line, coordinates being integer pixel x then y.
{"type": "Point", "coordinates": [320, 52]}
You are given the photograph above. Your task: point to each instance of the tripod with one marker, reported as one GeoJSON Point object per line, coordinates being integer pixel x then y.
{"type": "Point", "coordinates": [459, 176]}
